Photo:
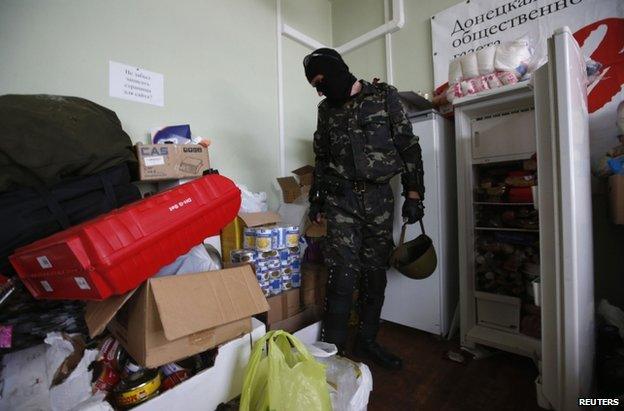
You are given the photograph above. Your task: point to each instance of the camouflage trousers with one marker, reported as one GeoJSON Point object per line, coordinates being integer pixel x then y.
{"type": "Point", "coordinates": [357, 249]}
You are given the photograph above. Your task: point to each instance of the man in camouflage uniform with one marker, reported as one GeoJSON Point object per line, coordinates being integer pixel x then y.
{"type": "Point", "coordinates": [363, 139]}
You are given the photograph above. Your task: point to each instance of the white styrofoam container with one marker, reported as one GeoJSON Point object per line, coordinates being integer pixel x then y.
{"type": "Point", "coordinates": [215, 385]}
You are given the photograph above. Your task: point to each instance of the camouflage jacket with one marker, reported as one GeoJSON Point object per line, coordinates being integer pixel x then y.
{"type": "Point", "coordinates": [368, 138]}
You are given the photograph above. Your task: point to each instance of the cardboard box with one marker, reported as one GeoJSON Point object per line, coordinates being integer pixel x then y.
{"type": "Point", "coordinates": [316, 230]}
{"type": "Point", "coordinates": [159, 162]}
{"type": "Point", "coordinates": [290, 189]}
{"type": "Point", "coordinates": [169, 318]}
{"type": "Point", "coordinates": [225, 378]}
{"type": "Point", "coordinates": [283, 305]}
{"type": "Point", "coordinates": [232, 234]}
{"type": "Point", "coordinates": [309, 297]}
{"type": "Point", "coordinates": [294, 323]}
{"type": "Point", "coordinates": [305, 174]}
{"type": "Point", "coordinates": [616, 198]}
{"type": "Point", "coordinates": [313, 284]}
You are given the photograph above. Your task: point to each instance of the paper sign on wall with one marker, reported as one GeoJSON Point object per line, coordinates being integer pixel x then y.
{"type": "Point", "coordinates": [135, 84]}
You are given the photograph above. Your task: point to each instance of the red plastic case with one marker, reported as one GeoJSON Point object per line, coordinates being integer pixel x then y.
{"type": "Point", "coordinates": [116, 252]}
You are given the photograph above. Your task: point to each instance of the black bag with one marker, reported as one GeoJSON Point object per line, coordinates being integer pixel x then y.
{"type": "Point", "coordinates": [30, 214]}
{"type": "Point", "coordinates": [45, 139]}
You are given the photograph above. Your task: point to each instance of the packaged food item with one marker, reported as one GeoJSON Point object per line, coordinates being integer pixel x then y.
{"type": "Point", "coordinates": [249, 238]}
{"type": "Point", "coordinates": [507, 77]}
{"type": "Point", "coordinates": [113, 354]}
{"type": "Point", "coordinates": [479, 84]}
{"type": "Point", "coordinates": [131, 368]}
{"type": "Point", "coordinates": [292, 236]}
{"type": "Point", "coordinates": [105, 377]}
{"type": "Point", "coordinates": [296, 279]}
{"type": "Point", "coordinates": [275, 286]}
{"type": "Point", "coordinates": [269, 255]}
{"type": "Point", "coordinates": [265, 286]}
{"type": "Point", "coordinates": [137, 388]}
{"type": "Point", "coordinates": [493, 81]}
{"type": "Point", "coordinates": [243, 256]}
{"type": "Point", "coordinates": [455, 71]}
{"type": "Point", "coordinates": [467, 88]}
{"type": "Point", "coordinates": [173, 374]}
{"type": "Point", "coordinates": [264, 240]}
{"type": "Point", "coordinates": [262, 275]}
{"type": "Point", "coordinates": [469, 65]}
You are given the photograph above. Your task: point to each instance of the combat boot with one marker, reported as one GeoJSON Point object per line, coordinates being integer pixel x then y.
{"type": "Point", "coordinates": [370, 349]}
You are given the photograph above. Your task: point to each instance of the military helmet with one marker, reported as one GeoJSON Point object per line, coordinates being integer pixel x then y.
{"type": "Point", "coordinates": [417, 258]}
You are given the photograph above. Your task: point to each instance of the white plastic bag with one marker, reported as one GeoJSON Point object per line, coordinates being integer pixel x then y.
{"type": "Point", "coordinates": [455, 72]}
{"type": "Point", "coordinates": [252, 202]}
{"type": "Point", "coordinates": [513, 56]}
{"type": "Point", "coordinates": [350, 383]}
{"type": "Point", "coordinates": [469, 66]}
{"type": "Point", "coordinates": [485, 60]}
{"type": "Point", "coordinates": [197, 260]}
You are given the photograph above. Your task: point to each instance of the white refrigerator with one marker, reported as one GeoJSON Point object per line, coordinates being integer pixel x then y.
{"type": "Point", "coordinates": [566, 266]}
{"type": "Point", "coordinates": [429, 304]}
{"type": "Point", "coordinates": [547, 117]}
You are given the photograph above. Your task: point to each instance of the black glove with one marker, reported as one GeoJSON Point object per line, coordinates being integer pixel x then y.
{"type": "Point", "coordinates": [315, 209]}
{"type": "Point", "coordinates": [413, 210]}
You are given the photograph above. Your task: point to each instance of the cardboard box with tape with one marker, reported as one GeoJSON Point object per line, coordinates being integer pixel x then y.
{"type": "Point", "coordinates": [170, 318]}
{"type": "Point", "coordinates": [158, 162]}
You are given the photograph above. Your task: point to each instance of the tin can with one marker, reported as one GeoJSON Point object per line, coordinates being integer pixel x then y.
{"type": "Point", "coordinates": [107, 377]}
{"type": "Point", "coordinates": [287, 284]}
{"type": "Point", "coordinates": [295, 266]}
{"type": "Point", "coordinates": [292, 236]}
{"type": "Point", "coordinates": [279, 238]}
{"type": "Point", "coordinates": [131, 368]}
{"type": "Point", "coordinates": [173, 374]}
{"type": "Point", "coordinates": [243, 256]}
{"type": "Point", "coordinates": [264, 239]}
{"type": "Point", "coordinates": [265, 286]}
{"type": "Point", "coordinates": [112, 353]}
{"type": "Point", "coordinates": [273, 274]}
{"type": "Point", "coordinates": [137, 388]}
{"type": "Point", "coordinates": [274, 238]}
{"type": "Point", "coordinates": [293, 250]}
{"type": "Point", "coordinates": [276, 286]}
{"type": "Point", "coordinates": [268, 255]}
{"type": "Point", "coordinates": [286, 272]}
{"type": "Point", "coordinates": [284, 254]}
{"type": "Point", "coordinates": [262, 275]}
{"type": "Point", "coordinates": [295, 279]}
{"type": "Point", "coordinates": [249, 238]}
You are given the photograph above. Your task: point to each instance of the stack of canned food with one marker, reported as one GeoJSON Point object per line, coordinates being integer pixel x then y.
{"type": "Point", "coordinates": [274, 252]}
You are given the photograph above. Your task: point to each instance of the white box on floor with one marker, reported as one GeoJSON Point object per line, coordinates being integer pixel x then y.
{"type": "Point", "coordinates": [215, 385]}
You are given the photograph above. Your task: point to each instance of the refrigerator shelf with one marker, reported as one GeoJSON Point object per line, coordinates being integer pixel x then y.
{"type": "Point", "coordinates": [516, 343]}
{"type": "Point", "coordinates": [522, 230]}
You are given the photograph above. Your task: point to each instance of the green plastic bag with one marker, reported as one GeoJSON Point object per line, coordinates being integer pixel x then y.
{"type": "Point", "coordinates": [279, 378]}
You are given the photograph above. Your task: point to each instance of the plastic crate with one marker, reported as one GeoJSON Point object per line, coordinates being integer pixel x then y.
{"type": "Point", "coordinates": [116, 252]}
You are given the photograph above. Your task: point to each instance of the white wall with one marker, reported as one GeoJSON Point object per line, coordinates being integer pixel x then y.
{"type": "Point", "coordinates": [411, 46]}
{"type": "Point", "coordinates": [218, 59]}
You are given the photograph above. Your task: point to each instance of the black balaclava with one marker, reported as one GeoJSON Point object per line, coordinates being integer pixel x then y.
{"type": "Point", "coordinates": [337, 79]}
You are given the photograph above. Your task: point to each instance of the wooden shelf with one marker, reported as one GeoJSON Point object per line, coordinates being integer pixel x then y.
{"type": "Point", "coordinates": [521, 230]}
